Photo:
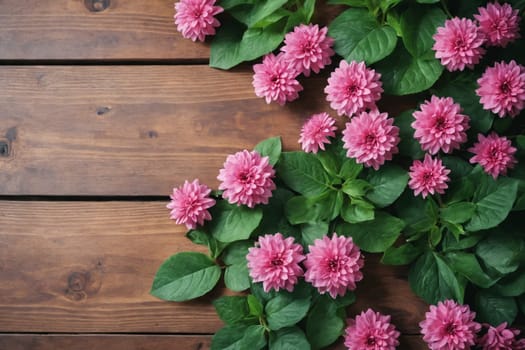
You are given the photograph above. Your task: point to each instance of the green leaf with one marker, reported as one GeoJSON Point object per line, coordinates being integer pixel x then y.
{"type": "Point", "coordinates": [521, 303]}
{"type": "Point", "coordinates": [271, 148]}
{"type": "Point", "coordinates": [236, 277]}
{"type": "Point", "coordinates": [233, 223]}
{"type": "Point", "coordinates": [495, 309]}
{"type": "Point", "coordinates": [226, 45]}
{"type": "Point", "coordinates": [285, 310]}
{"type": "Point", "coordinates": [403, 74]}
{"type": "Point", "coordinates": [427, 1]}
{"type": "Point", "coordinates": [260, 41]}
{"type": "Point", "coordinates": [376, 235]}
{"type": "Point", "coordinates": [402, 255]}
{"type": "Point", "coordinates": [450, 244]}
{"type": "Point", "coordinates": [433, 280]}
{"type": "Point", "coordinates": [234, 310]}
{"type": "Point", "coordinates": [236, 252]}
{"type": "Point", "coordinates": [458, 213]}
{"type": "Point", "coordinates": [290, 338]}
{"type": "Point", "coordinates": [501, 251]}
{"type": "Point", "coordinates": [303, 173]}
{"type": "Point", "coordinates": [239, 338]}
{"type": "Point", "coordinates": [387, 184]}
{"type": "Point", "coordinates": [311, 232]}
{"type": "Point", "coordinates": [185, 276]}
{"type": "Point", "coordinates": [323, 325]}
{"type": "Point", "coordinates": [494, 200]}
{"type": "Point", "coordinates": [258, 11]}
{"type": "Point", "coordinates": [512, 285]}
{"type": "Point", "coordinates": [412, 210]}
{"type": "Point", "coordinates": [228, 4]}
{"type": "Point", "coordinates": [357, 211]}
{"type": "Point", "coordinates": [356, 187]}
{"type": "Point", "coordinates": [350, 169]}
{"type": "Point", "coordinates": [463, 90]}
{"type": "Point", "coordinates": [468, 265]}
{"type": "Point", "coordinates": [408, 146]}
{"type": "Point", "coordinates": [364, 40]}
{"type": "Point", "coordinates": [300, 209]}
{"type": "Point", "coordinates": [255, 306]}
{"type": "Point", "coordinates": [418, 25]}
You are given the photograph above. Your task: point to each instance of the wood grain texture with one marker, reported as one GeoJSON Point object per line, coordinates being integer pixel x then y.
{"type": "Point", "coordinates": [93, 29]}
{"type": "Point", "coordinates": [136, 130]}
{"type": "Point", "coordinates": [88, 267]}
{"type": "Point", "coordinates": [137, 342]}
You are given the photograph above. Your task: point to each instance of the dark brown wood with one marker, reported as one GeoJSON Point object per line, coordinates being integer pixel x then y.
{"type": "Point", "coordinates": [88, 267]}
{"type": "Point", "coordinates": [93, 29]}
{"type": "Point", "coordinates": [136, 130]}
{"type": "Point", "coordinates": [137, 342]}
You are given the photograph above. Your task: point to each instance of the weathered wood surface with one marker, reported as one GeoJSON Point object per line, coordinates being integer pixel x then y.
{"type": "Point", "coordinates": [136, 130]}
{"type": "Point", "coordinates": [88, 267]}
{"type": "Point", "coordinates": [93, 29]}
{"type": "Point", "coordinates": [136, 342]}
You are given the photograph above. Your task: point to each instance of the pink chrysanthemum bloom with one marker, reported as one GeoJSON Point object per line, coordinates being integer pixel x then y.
{"type": "Point", "coordinates": [189, 204]}
{"type": "Point", "coordinates": [333, 265]}
{"type": "Point", "coordinates": [499, 23]}
{"type": "Point", "coordinates": [247, 179]}
{"type": "Point", "coordinates": [439, 125]}
{"type": "Point", "coordinates": [316, 131]}
{"type": "Point", "coordinates": [502, 88]}
{"type": "Point", "coordinates": [495, 154]}
{"type": "Point", "coordinates": [371, 138]}
{"type": "Point", "coordinates": [458, 44]}
{"type": "Point", "coordinates": [371, 331]}
{"type": "Point", "coordinates": [353, 88]}
{"type": "Point", "coordinates": [274, 261]}
{"type": "Point", "coordinates": [428, 176]}
{"type": "Point", "coordinates": [275, 79]}
{"type": "Point", "coordinates": [196, 18]}
{"type": "Point", "coordinates": [308, 48]}
{"type": "Point", "coordinates": [501, 338]}
{"type": "Point", "coordinates": [449, 326]}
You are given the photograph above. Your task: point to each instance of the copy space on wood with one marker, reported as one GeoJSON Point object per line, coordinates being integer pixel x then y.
{"type": "Point", "coordinates": [88, 267]}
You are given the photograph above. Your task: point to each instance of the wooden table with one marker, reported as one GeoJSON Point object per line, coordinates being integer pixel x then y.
{"type": "Point", "coordinates": [104, 108]}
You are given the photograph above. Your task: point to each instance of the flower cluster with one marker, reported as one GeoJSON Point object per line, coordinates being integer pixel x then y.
{"type": "Point", "coordinates": [307, 49]}
{"type": "Point", "coordinates": [290, 224]}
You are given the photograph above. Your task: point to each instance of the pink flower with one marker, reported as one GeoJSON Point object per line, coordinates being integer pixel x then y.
{"type": "Point", "coordinates": [275, 79]}
{"type": "Point", "coordinates": [501, 338]}
{"type": "Point", "coordinates": [371, 331]}
{"type": "Point", "coordinates": [247, 179]}
{"type": "Point", "coordinates": [371, 138]}
{"type": "Point", "coordinates": [502, 88]}
{"type": "Point", "coordinates": [308, 48]}
{"type": "Point", "coordinates": [274, 261]}
{"type": "Point", "coordinates": [458, 44]}
{"type": "Point", "coordinates": [196, 18]}
{"type": "Point", "coordinates": [440, 125]}
{"type": "Point", "coordinates": [189, 204]}
{"type": "Point", "coordinates": [428, 176]}
{"type": "Point", "coordinates": [352, 88]}
{"type": "Point", "coordinates": [315, 132]}
{"type": "Point", "coordinates": [333, 265]}
{"type": "Point", "coordinates": [449, 326]}
{"type": "Point", "coordinates": [499, 23]}
{"type": "Point", "coordinates": [495, 154]}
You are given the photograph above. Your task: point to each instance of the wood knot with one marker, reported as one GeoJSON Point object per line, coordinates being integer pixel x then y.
{"type": "Point", "coordinates": [77, 281]}
{"type": "Point", "coordinates": [4, 149]}
{"type": "Point", "coordinates": [96, 5]}
{"type": "Point", "coordinates": [103, 110]}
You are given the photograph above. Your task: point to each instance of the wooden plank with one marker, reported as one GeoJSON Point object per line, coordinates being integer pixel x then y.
{"type": "Point", "coordinates": [138, 342]}
{"type": "Point", "coordinates": [88, 267]}
{"type": "Point", "coordinates": [136, 130]}
{"type": "Point", "coordinates": [101, 29]}
{"type": "Point", "coordinates": [93, 29]}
